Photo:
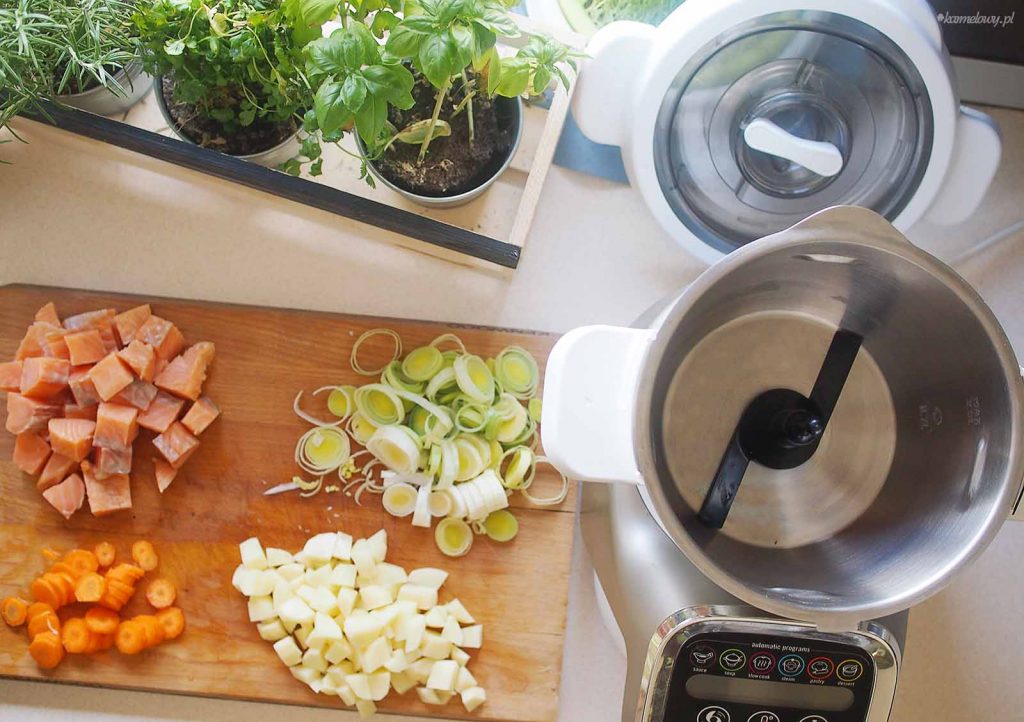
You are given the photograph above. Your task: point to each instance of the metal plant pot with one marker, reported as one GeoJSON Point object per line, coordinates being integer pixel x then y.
{"type": "Point", "coordinates": [270, 158]}
{"type": "Point", "coordinates": [514, 109]}
{"type": "Point", "coordinates": [102, 101]}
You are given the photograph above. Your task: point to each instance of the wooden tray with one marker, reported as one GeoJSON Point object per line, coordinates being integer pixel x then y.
{"type": "Point", "coordinates": [519, 591]}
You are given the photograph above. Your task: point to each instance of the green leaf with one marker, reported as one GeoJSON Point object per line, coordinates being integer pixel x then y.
{"type": "Point", "coordinates": [494, 71]}
{"type": "Point", "coordinates": [331, 112]}
{"type": "Point", "coordinates": [416, 133]}
{"type": "Point", "coordinates": [367, 44]}
{"type": "Point", "coordinates": [310, 148]}
{"type": "Point", "coordinates": [392, 82]}
{"type": "Point", "coordinates": [219, 24]}
{"type": "Point", "coordinates": [403, 42]}
{"type": "Point", "coordinates": [317, 12]}
{"type": "Point", "coordinates": [353, 92]}
{"type": "Point", "coordinates": [465, 44]}
{"type": "Point", "coordinates": [431, 7]}
{"type": "Point", "coordinates": [483, 40]}
{"type": "Point", "coordinates": [370, 119]}
{"type": "Point", "coordinates": [515, 77]}
{"type": "Point", "coordinates": [383, 22]}
{"type": "Point", "coordinates": [421, 24]}
{"type": "Point", "coordinates": [309, 123]}
{"type": "Point", "coordinates": [541, 78]}
{"type": "Point", "coordinates": [292, 166]}
{"type": "Point", "coordinates": [174, 47]}
{"type": "Point", "coordinates": [451, 9]}
{"type": "Point", "coordinates": [324, 56]}
{"type": "Point", "coordinates": [496, 18]}
{"type": "Point", "coordinates": [439, 59]}
{"type": "Point", "coordinates": [317, 168]}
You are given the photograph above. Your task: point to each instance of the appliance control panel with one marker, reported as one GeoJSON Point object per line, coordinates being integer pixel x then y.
{"type": "Point", "coordinates": [741, 677]}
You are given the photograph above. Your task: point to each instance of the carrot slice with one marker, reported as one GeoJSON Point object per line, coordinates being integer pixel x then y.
{"type": "Point", "coordinates": [102, 620]}
{"type": "Point", "coordinates": [42, 590]}
{"type": "Point", "coordinates": [15, 610]}
{"type": "Point", "coordinates": [37, 608]}
{"type": "Point", "coordinates": [75, 635]}
{"type": "Point", "coordinates": [47, 650]}
{"type": "Point", "coordinates": [90, 587]}
{"type": "Point", "coordinates": [173, 621]}
{"type": "Point", "coordinates": [161, 593]}
{"type": "Point", "coordinates": [127, 573]}
{"type": "Point", "coordinates": [64, 584]}
{"type": "Point", "coordinates": [64, 568]}
{"type": "Point", "coordinates": [144, 555]}
{"type": "Point", "coordinates": [42, 623]}
{"type": "Point", "coordinates": [99, 642]}
{"type": "Point", "coordinates": [105, 553]}
{"type": "Point", "coordinates": [152, 628]}
{"type": "Point", "coordinates": [82, 560]}
{"type": "Point", "coordinates": [130, 637]}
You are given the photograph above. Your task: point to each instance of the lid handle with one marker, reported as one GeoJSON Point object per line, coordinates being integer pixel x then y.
{"type": "Point", "coordinates": [815, 155]}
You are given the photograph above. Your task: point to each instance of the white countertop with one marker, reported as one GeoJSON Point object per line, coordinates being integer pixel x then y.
{"type": "Point", "coordinates": [79, 213]}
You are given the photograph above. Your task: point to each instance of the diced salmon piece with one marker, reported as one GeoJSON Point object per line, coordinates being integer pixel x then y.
{"type": "Point", "coordinates": [176, 444]}
{"type": "Point", "coordinates": [141, 358]}
{"type": "Point", "coordinates": [48, 314]}
{"type": "Point", "coordinates": [129, 322]}
{"type": "Point", "coordinates": [165, 474]}
{"type": "Point", "coordinates": [25, 414]}
{"type": "Point", "coordinates": [162, 335]}
{"type": "Point", "coordinates": [102, 321]}
{"type": "Point", "coordinates": [56, 469]}
{"type": "Point", "coordinates": [72, 437]}
{"type": "Point", "coordinates": [43, 377]}
{"type": "Point", "coordinates": [77, 411]}
{"type": "Point", "coordinates": [106, 495]}
{"type": "Point", "coordinates": [108, 462]}
{"type": "Point", "coordinates": [85, 347]}
{"type": "Point", "coordinates": [34, 342]}
{"type": "Point", "coordinates": [82, 387]}
{"type": "Point", "coordinates": [138, 393]}
{"type": "Point", "coordinates": [67, 496]}
{"type": "Point", "coordinates": [185, 375]}
{"type": "Point", "coordinates": [161, 413]}
{"type": "Point", "coordinates": [55, 345]}
{"type": "Point", "coordinates": [10, 376]}
{"type": "Point", "coordinates": [30, 452]}
{"type": "Point", "coordinates": [110, 376]}
{"type": "Point", "coordinates": [201, 415]}
{"type": "Point", "coordinates": [116, 426]}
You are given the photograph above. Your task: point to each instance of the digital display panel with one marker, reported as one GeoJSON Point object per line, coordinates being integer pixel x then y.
{"type": "Point", "coordinates": [769, 693]}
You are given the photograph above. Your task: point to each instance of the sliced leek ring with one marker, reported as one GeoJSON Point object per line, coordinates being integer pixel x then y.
{"type": "Point", "coordinates": [558, 498]}
{"type": "Point", "coordinates": [443, 382]}
{"type": "Point", "coordinates": [501, 526]}
{"type": "Point", "coordinates": [417, 420]}
{"type": "Point", "coordinates": [380, 404]}
{"type": "Point", "coordinates": [360, 428]}
{"type": "Point", "coordinates": [341, 400]}
{"type": "Point", "coordinates": [449, 338]}
{"type": "Point", "coordinates": [322, 450]}
{"type": "Point", "coordinates": [472, 417]}
{"type": "Point", "coordinates": [516, 370]}
{"type": "Point", "coordinates": [474, 378]}
{"type": "Point", "coordinates": [440, 503]}
{"type": "Point", "coordinates": [354, 356]}
{"type": "Point", "coordinates": [519, 471]}
{"type": "Point", "coordinates": [421, 364]}
{"type": "Point", "coordinates": [453, 536]}
{"type": "Point", "coordinates": [396, 447]}
{"type": "Point", "coordinates": [394, 377]}
{"type": "Point", "coordinates": [448, 469]}
{"type": "Point", "coordinates": [399, 499]}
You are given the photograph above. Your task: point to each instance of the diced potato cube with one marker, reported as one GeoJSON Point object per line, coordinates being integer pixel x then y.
{"type": "Point", "coordinates": [262, 583]}
{"type": "Point", "coordinates": [282, 591]}
{"type": "Point", "coordinates": [346, 694]}
{"type": "Point", "coordinates": [437, 616]}
{"type": "Point", "coordinates": [252, 553]}
{"type": "Point", "coordinates": [288, 651]}
{"type": "Point", "coordinates": [460, 656]}
{"type": "Point", "coordinates": [308, 675]}
{"type": "Point", "coordinates": [375, 655]}
{"type": "Point", "coordinates": [428, 577]}
{"type": "Point", "coordinates": [338, 651]}
{"type": "Point", "coordinates": [461, 614]}
{"type": "Point", "coordinates": [451, 631]}
{"type": "Point", "coordinates": [314, 659]}
{"type": "Point", "coordinates": [424, 597]}
{"type": "Point", "coordinates": [378, 544]}
{"type": "Point", "coordinates": [473, 637]}
{"type": "Point", "coordinates": [464, 680]}
{"type": "Point", "coordinates": [429, 696]}
{"type": "Point", "coordinates": [290, 571]}
{"type": "Point", "coordinates": [361, 629]}
{"type": "Point", "coordinates": [271, 630]}
{"type": "Point", "coordinates": [402, 682]}
{"type": "Point", "coordinates": [362, 557]}
{"type": "Point", "coordinates": [325, 630]}
{"type": "Point", "coordinates": [319, 548]}
{"type": "Point", "coordinates": [380, 685]}
{"type": "Point", "coordinates": [328, 686]}
{"type": "Point", "coordinates": [360, 684]}
{"type": "Point", "coordinates": [442, 676]}
{"type": "Point", "coordinates": [302, 633]}
{"type": "Point", "coordinates": [346, 599]}
{"type": "Point", "coordinates": [420, 670]}
{"type": "Point", "coordinates": [323, 601]}
{"type": "Point", "coordinates": [295, 611]}
{"type": "Point", "coordinates": [390, 575]}
{"type": "Point", "coordinates": [473, 698]}
{"type": "Point", "coordinates": [245, 580]}
{"type": "Point", "coordinates": [392, 614]}
{"type": "Point", "coordinates": [343, 575]}
{"type": "Point", "coordinates": [367, 709]}
{"type": "Point", "coordinates": [414, 631]}
{"type": "Point", "coordinates": [261, 609]}
{"type": "Point", "coordinates": [342, 547]}
{"type": "Point", "coordinates": [398, 662]}
{"type": "Point", "coordinates": [319, 577]}
{"type": "Point", "coordinates": [278, 557]}
{"type": "Point", "coordinates": [435, 646]}
{"type": "Point", "coordinates": [374, 597]}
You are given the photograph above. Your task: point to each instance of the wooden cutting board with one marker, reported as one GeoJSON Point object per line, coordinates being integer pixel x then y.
{"type": "Point", "coordinates": [519, 591]}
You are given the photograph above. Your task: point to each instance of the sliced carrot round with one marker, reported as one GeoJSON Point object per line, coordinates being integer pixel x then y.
{"type": "Point", "coordinates": [14, 611]}
{"type": "Point", "coordinates": [102, 620]}
{"type": "Point", "coordinates": [75, 635]}
{"type": "Point", "coordinates": [161, 593]}
{"type": "Point", "coordinates": [130, 637]}
{"type": "Point", "coordinates": [152, 628]}
{"type": "Point", "coordinates": [127, 573]}
{"type": "Point", "coordinates": [173, 621]}
{"type": "Point", "coordinates": [37, 608]}
{"type": "Point", "coordinates": [90, 587]}
{"type": "Point", "coordinates": [100, 642]}
{"type": "Point", "coordinates": [64, 567]}
{"type": "Point", "coordinates": [43, 623]}
{"type": "Point", "coordinates": [42, 590]}
{"type": "Point", "coordinates": [64, 584]}
{"type": "Point", "coordinates": [145, 555]}
{"type": "Point", "coordinates": [46, 649]}
{"type": "Point", "coordinates": [82, 560]}
{"type": "Point", "coordinates": [105, 553]}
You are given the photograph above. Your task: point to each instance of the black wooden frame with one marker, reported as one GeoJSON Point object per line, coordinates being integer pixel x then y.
{"type": "Point", "coordinates": [300, 190]}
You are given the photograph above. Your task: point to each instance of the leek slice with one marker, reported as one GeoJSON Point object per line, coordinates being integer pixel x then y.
{"type": "Point", "coordinates": [474, 378]}
{"type": "Point", "coordinates": [394, 377]}
{"type": "Point", "coordinates": [453, 536]}
{"type": "Point", "coordinates": [516, 370]}
{"type": "Point", "coordinates": [354, 356]}
{"type": "Point", "coordinates": [440, 503]}
{"type": "Point", "coordinates": [472, 417]}
{"type": "Point", "coordinates": [518, 473]}
{"type": "Point", "coordinates": [417, 420]}
{"type": "Point", "coordinates": [380, 404]}
{"type": "Point", "coordinates": [501, 526]}
{"type": "Point", "coordinates": [449, 338]}
{"type": "Point", "coordinates": [535, 408]}
{"type": "Point", "coordinates": [551, 500]}
{"type": "Point", "coordinates": [341, 400]}
{"type": "Point", "coordinates": [396, 447]}
{"type": "Point", "coordinates": [322, 450]}
{"type": "Point", "coordinates": [421, 515]}
{"type": "Point", "coordinates": [399, 499]}
{"type": "Point", "coordinates": [309, 417]}
{"type": "Point", "coordinates": [471, 463]}
{"type": "Point", "coordinates": [448, 469]}
{"type": "Point", "coordinates": [360, 428]}
{"type": "Point", "coordinates": [443, 382]}
{"type": "Point", "coordinates": [423, 363]}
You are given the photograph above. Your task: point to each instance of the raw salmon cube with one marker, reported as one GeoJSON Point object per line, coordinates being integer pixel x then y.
{"type": "Point", "coordinates": [138, 393]}
{"type": "Point", "coordinates": [82, 387]}
{"type": "Point", "coordinates": [141, 358]}
{"type": "Point", "coordinates": [176, 444]}
{"type": "Point", "coordinates": [201, 415]}
{"type": "Point", "coordinates": [161, 413]}
{"type": "Point", "coordinates": [85, 347]}
{"type": "Point", "coordinates": [30, 452]}
{"type": "Point", "coordinates": [34, 342]}
{"type": "Point", "coordinates": [129, 322]}
{"type": "Point", "coordinates": [162, 335]}
{"type": "Point", "coordinates": [102, 321]}
{"type": "Point", "coordinates": [110, 376]}
{"type": "Point", "coordinates": [184, 376]}
{"type": "Point", "coordinates": [56, 344]}
{"type": "Point", "coordinates": [108, 462]}
{"type": "Point", "coordinates": [10, 376]}
{"type": "Point", "coordinates": [165, 474]}
{"type": "Point", "coordinates": [43, 378]}
{"type": "Point", "coordinates": [67, 496]}
{"type": "Point", "coordinates": [48, 314]}
{"type": "Point", "coordinates": [56, 469]}
{"type": "Point", "coordinates": [116, 426]}
{"type": "Point", "coordinates": [77, 411]}
{"type": "Point", "coordinates": [72, 437]}
{"type": "Point", "coordinates": [106, 495]}
{"type": "Point", "coordinates": [25, 414]}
